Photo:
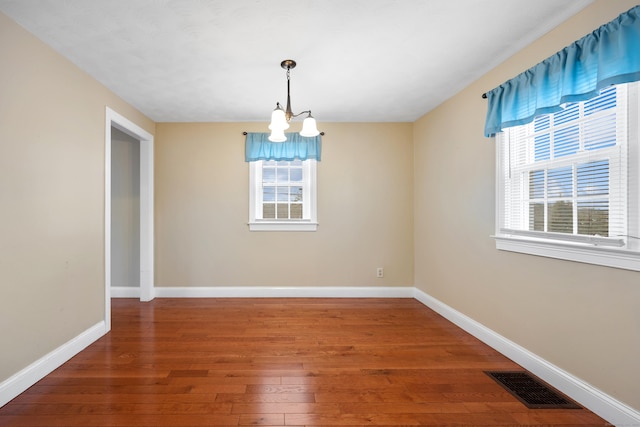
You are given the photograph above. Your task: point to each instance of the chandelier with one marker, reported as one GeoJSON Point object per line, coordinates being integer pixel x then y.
{"type": "Point", "coordinates": [280, 118]}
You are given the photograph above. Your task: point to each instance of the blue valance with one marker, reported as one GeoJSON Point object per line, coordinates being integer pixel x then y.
{"type": "Point", "coordinates": [258, 147]}
{"type": "Point", "coordinates": [608, 55]}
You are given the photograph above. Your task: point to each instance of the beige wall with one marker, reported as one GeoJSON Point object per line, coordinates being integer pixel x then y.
{"type": "Point", "coordinates": [52, 130]}
{"type": "Point", "coordinates": [582, 318]}
{"type": "Point", "coordinates": [365, 210]}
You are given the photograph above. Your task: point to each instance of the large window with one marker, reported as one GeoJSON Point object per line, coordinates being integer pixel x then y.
{"type": "Point", "coordinates": [568, 182]}
{"type": "Point", "coordinates": [282, 195]}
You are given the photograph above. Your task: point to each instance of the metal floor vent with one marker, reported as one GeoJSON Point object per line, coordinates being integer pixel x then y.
{"type": "Point", "coordinates": [534, 393]}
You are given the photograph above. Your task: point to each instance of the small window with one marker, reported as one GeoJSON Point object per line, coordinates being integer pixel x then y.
{"type": "Point", "coordinates": [282, 195]}
{"type": "Point", "coordinates": [568, 182]}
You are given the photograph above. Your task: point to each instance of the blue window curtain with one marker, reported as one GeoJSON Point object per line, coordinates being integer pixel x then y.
{"type": "Point", "coordinates": [608, 55]}
{"type": "Point", "coordinates": [258, 147]}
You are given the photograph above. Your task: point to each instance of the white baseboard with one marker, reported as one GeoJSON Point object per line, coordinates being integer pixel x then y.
{"type": "Point", "coordinates": [284, 292]}
{"type": "Point", "coordinates": [600, 403]}
{"type": "Point", "coordinates": [125, 292]}
{"type": "Point", "coordinates": [22, 380]}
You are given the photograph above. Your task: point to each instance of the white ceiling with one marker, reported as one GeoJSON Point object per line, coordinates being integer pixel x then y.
{"type": "Point", "coordinates": [219, 60]}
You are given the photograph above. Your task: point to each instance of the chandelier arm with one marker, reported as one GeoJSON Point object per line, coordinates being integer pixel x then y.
{"type": "Point", "coordinates": [301, 113]}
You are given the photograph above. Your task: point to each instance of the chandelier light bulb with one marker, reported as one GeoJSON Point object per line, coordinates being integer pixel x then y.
{"type": "Point", "coordinates": [277, 135]}
{"type": "Point", "coordinates": [278, 119]}
{"type": "Point", "coordinates": [309, 128]}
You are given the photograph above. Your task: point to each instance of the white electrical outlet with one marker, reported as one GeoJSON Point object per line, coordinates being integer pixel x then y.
{"type": "Point", "coordinates": [380, 272]}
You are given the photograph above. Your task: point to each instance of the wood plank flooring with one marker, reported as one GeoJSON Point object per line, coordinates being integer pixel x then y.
{"type": "Point", "coordinates": [287, 362]}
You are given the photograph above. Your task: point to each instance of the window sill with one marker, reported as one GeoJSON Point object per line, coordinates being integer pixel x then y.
{"type": "Point", "coordinates": [283, 226]}
{"type": "Point", "coordinates": [623, 258]}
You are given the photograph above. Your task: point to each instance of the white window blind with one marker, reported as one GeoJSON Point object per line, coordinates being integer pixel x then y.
{"type": "Point", "coordinates": [571, 176]}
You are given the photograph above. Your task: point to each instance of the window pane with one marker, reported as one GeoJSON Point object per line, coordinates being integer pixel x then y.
{"type": "Point", "coordinates": [593, 178]}
{"type": "Point", "coordinates": [593, 218]}
{"type": "Point", "coordinates": [269, 211]}
{"type": "Point", "coordinates": [296, 162]}
{"type": "Point", "coordinates": [566, 141]}
{"type": "Point", "coordinates": [560, 182]}
{"type": "Point", "coordinates": [268, 194]}
{"type": "Point", "coordinates": [296, 175]}
{"type": "Point", "coordinates": [283, 194]}
{"type": "Point", "coordinates": [600, 133]}
{"type": "Point", "coordinates": [268, 175]}
{"type": "Point", "coordinates": [536, 184]}
{"type": "Point", "coordinates": [283, 211]}
{"type": "Point", "coordinates": [569, 113]}
{"type": "Point", "coordinates": [296, 211]}
{"type": "Point", "coordinates": [283, 175]}
{"type": "Point", "coordinates": [542, 147]}
{"type": "Point", "coordinates": [606, 100]}
{"type": "Point", "coordinates": [296, 194]}
{"type": "Point", "coordinates": [561, 217]}
{"type": "Point", "coordinates": [541, 123]}
{"type": "Point", "coordinates": [536, 216]}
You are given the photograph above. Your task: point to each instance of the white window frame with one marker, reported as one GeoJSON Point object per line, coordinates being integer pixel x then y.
{"type": "Point", "coordinates": [626, 256]}
{"type": "Point", "coordinates": [309, 221]}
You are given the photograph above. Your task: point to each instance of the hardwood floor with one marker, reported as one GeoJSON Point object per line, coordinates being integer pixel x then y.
{"type": "Point", "coordinates": [293, 362]}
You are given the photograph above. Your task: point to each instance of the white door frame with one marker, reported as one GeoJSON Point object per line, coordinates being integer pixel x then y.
{"type": "Point", "coordinates": [147, 292]}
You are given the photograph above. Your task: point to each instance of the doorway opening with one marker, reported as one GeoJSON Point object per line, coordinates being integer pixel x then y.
{"type": "Point", "coordinates": [123, 128]}
{"type": "Point", "coordinates": [125, 215]}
